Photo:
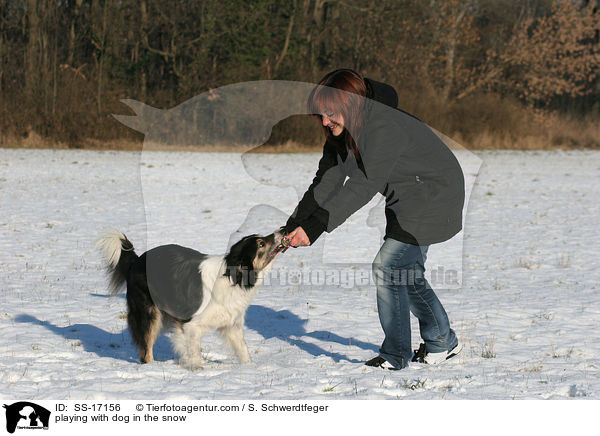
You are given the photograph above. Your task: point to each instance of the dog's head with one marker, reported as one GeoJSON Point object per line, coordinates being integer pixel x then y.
{"type": "Point", "coordinates": [251, 255]}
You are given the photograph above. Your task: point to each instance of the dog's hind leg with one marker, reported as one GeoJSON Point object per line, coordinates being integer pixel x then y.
{"type": "Point", "coordinates": [154, 328]}
{"type": "Point", "coordinates": [144, 321]}
{"type": "Point", "coordinates": [235, 338]}
{"type": "Point", "coordinates": [144, 331]}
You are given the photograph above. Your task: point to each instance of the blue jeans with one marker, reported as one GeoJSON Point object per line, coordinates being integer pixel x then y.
{"type": "Point", "coordinates": [399, 270]}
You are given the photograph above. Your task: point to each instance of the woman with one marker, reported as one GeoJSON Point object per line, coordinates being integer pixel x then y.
{"type": "Point", "coordinates": [373, 147]}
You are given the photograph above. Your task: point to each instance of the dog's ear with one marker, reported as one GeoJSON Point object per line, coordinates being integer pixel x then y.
{"type": "Point", "coordinates": [241, 275]}
{"type": "Point", "coordinates": [240, 263]}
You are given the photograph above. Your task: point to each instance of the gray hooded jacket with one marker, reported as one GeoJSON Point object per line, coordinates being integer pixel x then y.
{"type": "Point", "coordinates": [399, 157]}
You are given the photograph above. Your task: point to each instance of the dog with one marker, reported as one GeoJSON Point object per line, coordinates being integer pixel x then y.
{"type": "Point", "coordinates": [188, 292]}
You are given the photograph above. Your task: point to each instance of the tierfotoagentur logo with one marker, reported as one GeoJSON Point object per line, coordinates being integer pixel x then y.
{"type": "Point", "coordinates": [26, 416]}
{"type": "Point", "coordinates": [240, 118]}
{"type": "Point", "coordinates": [351, 276]}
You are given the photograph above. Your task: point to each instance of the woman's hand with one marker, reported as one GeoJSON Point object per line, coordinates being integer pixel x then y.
{"type": "Point", "coordinates": [298, 238]}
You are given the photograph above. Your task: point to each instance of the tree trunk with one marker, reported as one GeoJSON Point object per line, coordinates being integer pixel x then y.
{"type": "Point", "coordinates": [287, 38]}
{"type": "Point", "coordinates": [55, 70]}
{"type": "Point", "coordinates": [101, 46]}
{"type": "Point", "coordinates": [32, 56]}
{"type": "Point", "coordinates": [44, 62]}
{"type": "Point", "coordinates": [1, 59]}
{"type": "Point", "coordinates": [143, 30]}
{"type": "Point", "coordinates": [451, 54]}
{"type": "Point", "coordinates": [72, 34]}
{"type": "Point", "coordinates": [318, 15]}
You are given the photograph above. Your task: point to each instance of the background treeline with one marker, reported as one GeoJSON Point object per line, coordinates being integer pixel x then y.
{"type": "Point", "coordinates": [491, 73]}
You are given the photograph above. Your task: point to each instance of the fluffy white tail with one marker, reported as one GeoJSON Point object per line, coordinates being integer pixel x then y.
{"type": "Point", "coordinates": [119, 254]}
{"type": "Point", "coordinates": [110, 245]}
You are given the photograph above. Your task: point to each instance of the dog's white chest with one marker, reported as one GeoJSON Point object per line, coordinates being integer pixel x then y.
{"type": "Point", "coordinates": [211, 271]}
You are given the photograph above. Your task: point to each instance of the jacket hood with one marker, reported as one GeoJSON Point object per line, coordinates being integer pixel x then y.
{"type": "Point", "coordinates": [382, 92]}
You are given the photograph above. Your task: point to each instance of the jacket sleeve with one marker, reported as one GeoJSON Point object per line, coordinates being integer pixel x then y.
{"type": "Point", "coordinates": [381, 153]}
{"type": "Point", "coordinates": [327, 182]}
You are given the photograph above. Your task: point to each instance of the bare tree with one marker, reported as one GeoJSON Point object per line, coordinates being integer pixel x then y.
{"type": "Point", "coordinates": [32, 63]}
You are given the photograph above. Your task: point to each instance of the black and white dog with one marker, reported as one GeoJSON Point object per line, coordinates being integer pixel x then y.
{"type": "Point", "coordinates": [188, 291]}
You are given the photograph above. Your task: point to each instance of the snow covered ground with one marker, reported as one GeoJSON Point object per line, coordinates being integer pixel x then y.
{"type": "Point", "coordinates": [528, 309]}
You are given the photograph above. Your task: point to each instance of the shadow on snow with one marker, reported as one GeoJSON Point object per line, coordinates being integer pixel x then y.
{"type": "Point", "coordinates": [100, 342]}
{"type": "Point", "coordinates": [289, 327]}
{"type": "Point", "coordinates": [283, 325]}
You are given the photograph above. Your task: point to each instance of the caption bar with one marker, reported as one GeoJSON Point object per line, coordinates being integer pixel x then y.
{"type": "Point", "coordinates": [166, 412]}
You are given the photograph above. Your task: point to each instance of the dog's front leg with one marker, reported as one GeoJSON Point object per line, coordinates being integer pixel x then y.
{"type": "Point", "coordinates": [235, 338]}
{"type": "Point", "coordinates": [186, 344]}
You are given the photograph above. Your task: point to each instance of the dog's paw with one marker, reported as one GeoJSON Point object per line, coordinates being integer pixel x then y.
{"type": "Point", "coordinates": [192, 364]}
{"type": "Point", "coordinates": [245, 359]}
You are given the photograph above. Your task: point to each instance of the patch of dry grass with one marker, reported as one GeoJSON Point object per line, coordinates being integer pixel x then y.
{"type": "Point", "coordinates": [514, 128]}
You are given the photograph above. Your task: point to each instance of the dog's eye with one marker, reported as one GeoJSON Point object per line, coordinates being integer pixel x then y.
{"type": "Point", "coordinates": [261, 243]}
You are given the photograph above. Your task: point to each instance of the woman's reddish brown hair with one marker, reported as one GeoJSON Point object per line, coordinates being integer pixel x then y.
{"type": "Point", "coordinates": [342, 92]}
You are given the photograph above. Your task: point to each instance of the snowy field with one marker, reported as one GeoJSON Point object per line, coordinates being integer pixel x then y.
{"type": "Point", "coordinates": [527, 308]}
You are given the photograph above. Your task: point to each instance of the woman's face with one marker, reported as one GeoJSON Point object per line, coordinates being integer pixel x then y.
{"type": "Point", "coordinates": [334, 122]}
